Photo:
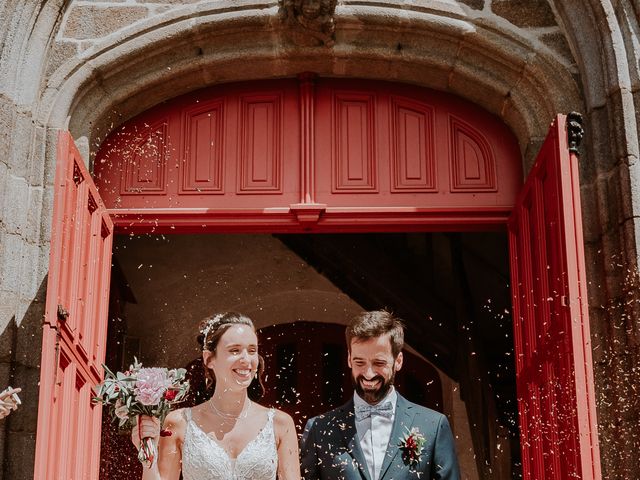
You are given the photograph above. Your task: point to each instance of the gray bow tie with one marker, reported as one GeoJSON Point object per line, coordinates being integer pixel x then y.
{"type": "Point", "coordinates": [365, 411]}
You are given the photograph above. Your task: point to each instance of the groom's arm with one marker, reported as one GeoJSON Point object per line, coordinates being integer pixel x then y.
{"type": "Point", "coordinates": [445, 461]}
{"type": "Point", "coordinates": [309, 458]}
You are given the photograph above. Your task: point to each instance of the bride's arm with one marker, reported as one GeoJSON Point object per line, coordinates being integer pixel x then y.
{"type": "Point", "coordinates": [169, 462]}
{"type": "Point", "coordinates": [287, 442]}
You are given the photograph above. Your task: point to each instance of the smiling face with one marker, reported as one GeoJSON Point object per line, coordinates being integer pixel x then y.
{"type": "Point", "coordinates": [373, 367]}
{"type": "Point", "coordinates": [235, 361]}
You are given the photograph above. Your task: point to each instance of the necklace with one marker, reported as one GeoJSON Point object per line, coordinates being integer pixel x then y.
{"type": "Point", "coordinates": [228, 416]}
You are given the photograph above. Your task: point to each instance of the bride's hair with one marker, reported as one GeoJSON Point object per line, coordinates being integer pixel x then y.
{"type": "Point", "coordinates": [211, 330]}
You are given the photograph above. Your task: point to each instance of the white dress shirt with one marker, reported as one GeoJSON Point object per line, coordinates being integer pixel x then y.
{"type": "Point", "coordinates": [374, 447]}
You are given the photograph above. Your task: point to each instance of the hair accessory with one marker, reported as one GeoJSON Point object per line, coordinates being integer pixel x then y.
{"type": "Point", "coordinates": [212, 324]}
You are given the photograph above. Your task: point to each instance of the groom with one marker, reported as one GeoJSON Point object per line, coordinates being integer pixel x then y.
{"type": "Point", "coordinates": [366, 439]}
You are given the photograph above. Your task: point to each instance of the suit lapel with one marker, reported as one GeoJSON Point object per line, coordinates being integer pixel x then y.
{"type": "Point", "coordinates": [350, 438]}
{"type": "Point", "coordinates": [403, 419]}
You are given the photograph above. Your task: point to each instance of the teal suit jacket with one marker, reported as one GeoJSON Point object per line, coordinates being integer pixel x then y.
{"type": "Point", "coordinates": [330, 449]}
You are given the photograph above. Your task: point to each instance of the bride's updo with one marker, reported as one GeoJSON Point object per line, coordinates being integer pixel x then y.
{"type": "Point", "coordinates": [210, 331]}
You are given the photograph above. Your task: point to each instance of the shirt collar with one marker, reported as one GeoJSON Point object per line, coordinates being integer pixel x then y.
{"type": "Point", "coordinates": [392, 396]}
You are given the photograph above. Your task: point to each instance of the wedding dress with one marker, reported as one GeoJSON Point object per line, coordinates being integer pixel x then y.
{"type": "Point", "coordinates": [203, 458]}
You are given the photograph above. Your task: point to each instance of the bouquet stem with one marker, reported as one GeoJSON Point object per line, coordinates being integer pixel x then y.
{"type": "Point", "coordinates": [148, 452]}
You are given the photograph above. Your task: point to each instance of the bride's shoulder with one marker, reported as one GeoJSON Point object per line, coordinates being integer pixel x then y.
{"type": "Point", "coordinates": [176, 419]}
{"type": "Point", "coordinates": [282, 421]}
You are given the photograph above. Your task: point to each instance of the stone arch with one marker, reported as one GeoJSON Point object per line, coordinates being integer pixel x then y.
{"type": "Point", "coordinates": [447, 49]}
{"type": "Point", "coordinates": [608, 76]}
{"type": "Point", "coordinates": [442, 48]}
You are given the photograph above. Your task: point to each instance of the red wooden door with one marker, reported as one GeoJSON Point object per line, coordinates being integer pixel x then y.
{"type": "Point", "coordinates": [74, 332]}
{"type": "Point", "coordinates": [556, 398]}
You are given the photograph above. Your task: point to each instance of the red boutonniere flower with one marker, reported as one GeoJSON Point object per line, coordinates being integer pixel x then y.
{"type": "Point", "coordinates": [411, 445]}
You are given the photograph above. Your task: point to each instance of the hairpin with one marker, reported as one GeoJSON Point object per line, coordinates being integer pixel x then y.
{"type": "Point", "coordinates": [212, 324]}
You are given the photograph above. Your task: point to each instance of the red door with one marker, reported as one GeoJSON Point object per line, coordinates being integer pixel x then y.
{"type": "Point", "coordinates": [74, 333]}
{"type": "Point", "coordinates": [556, 398]}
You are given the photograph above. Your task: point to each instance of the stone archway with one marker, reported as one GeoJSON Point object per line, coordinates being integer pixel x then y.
{"type": "Point", "coordinates": [41, 98]}
{"type": "Point", "coordinates": [448, 49]}
{"type": "Point", "coordinates": [492, 96]}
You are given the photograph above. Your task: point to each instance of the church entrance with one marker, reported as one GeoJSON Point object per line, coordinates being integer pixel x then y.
{"type": "Point", "coordinates": [336, 157]}
{"type": "Point", "coordinates": [301, 290]}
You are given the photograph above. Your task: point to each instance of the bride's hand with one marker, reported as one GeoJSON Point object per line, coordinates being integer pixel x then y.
{"type": "Point", "coordinates": [145, 427]}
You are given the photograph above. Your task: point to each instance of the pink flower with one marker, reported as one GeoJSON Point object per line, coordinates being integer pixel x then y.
{"type": "Point", "coordinates": [151, 383]}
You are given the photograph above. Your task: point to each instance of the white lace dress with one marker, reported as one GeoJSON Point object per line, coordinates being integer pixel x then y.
{"type": "Point", "coordinates": [203, 458]}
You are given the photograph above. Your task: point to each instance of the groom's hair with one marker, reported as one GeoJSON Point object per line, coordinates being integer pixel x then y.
{"type": "Point", "coordinates": [375, 324]}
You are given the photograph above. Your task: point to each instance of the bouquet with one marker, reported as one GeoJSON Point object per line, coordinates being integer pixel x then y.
{"type": "Point", "coordinates": [142, 391]}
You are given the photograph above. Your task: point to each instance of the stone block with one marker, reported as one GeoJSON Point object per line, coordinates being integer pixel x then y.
{"type": "Point", "coordinates": [36, 158]}
{"type": "Point", "coordinates": [632, 169]}
{"type": "Point", "coordinates": [477, 4]}
{"type": "Point", "coordinates": [591, 227]}
{"type": "Point", "coordinates": [558, 43]}
{"type": "Point", "coordinates": [423, 51]}
{"type": "Point", "coordinates": [479, 87]}
{"type": "Point", "coordinates": [499, 56]}
{"type": "Point", "coordinates": [530, 131]}
{"type": "Point", "coordinates": [22, 143]}
{"type": "Point", "coordinates": [552, 87]}
{"type": "Point", "coordinates": [4, 178]}
{"type": "Point", "coordinates": [29, 334]}
{"type": "Point", "coordinates": [7, 125]}
{"type": "Point", "coordinates": [43, 271]}
{"type": "Point", "coordinates": [46, 217]}
{"type": "Point", "coordinates": [610, 198]}
{"type": "Point", "coordinates": [30, 270]}
{"type": "Point", "coordinates": [597, 324]}
{"type": "Point", "coordinates": [622, 129]}
{"type": "Point", "coordinates": [31, 229]}
{"type": "Point", "coordinates": [8, 301]}
{"type": "Point", "coordinates": [88, 21]}
{"type": "Point", "coordinates": [525, 13]}
{"type": "Point", "coordinates": [60, 53]}
{"type": "Point", "coordinates": [10, 260]}
{"type": "Point", "coordinates": [626, 182]}
{"type": "Point", "coordinates": [601, 156]}
{"type": "Point", "coordinates": [636, 99]}
{"type": "Point", "coordinates": [170, 2]}
{"type": "Point", "coordinates": [50, 154]}
{"type": "Point", "coordinates": [16, 200]}
{"type": "Point", "coordinates": [8, 332]}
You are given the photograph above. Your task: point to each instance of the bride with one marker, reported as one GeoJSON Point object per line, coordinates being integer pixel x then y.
{"type": "Point", "coordinates": [229, 436]}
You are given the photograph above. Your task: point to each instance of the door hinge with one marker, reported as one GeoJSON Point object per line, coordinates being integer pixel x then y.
{"type": "Point", "coordinates": [63, 314]}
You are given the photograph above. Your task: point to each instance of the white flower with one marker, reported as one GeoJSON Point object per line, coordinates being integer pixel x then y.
{"type": "Point", "coordinates": [121, 410]}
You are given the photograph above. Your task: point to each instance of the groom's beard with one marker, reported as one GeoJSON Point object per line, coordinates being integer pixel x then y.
{"type": "Point", "coordinates": [373, 396]}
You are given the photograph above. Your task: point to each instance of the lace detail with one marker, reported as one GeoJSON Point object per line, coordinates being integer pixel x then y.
{"type": "Point", "coordinates": [203, 458]}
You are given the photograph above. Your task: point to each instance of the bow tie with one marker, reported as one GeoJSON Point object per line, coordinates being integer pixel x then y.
{"type": "Point", "coordinates": [365, 411]}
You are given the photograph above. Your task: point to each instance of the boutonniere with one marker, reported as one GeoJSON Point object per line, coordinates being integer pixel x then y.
{"type": "Point", "coordinates": [411, 445]}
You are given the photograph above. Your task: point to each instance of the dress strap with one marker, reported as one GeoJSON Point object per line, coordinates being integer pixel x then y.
{"type": "Point", "coordinates": [271, 413]}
